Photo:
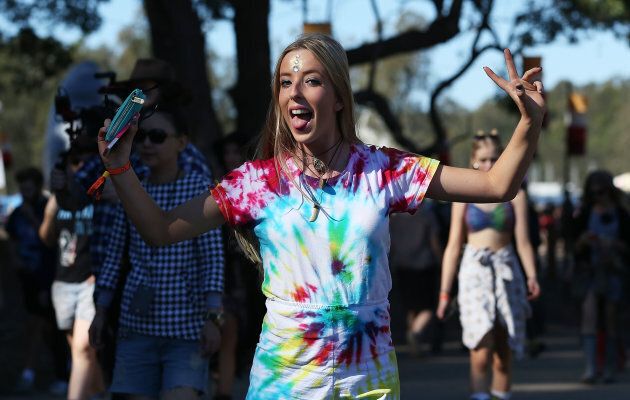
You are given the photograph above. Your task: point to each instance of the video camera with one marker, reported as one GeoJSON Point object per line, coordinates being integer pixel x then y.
{"type": "Point", "coordinates": [88, 120]}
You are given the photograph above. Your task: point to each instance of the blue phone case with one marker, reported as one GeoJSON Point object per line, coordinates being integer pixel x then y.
{"type": "Point", "coordinates": [130, 107]}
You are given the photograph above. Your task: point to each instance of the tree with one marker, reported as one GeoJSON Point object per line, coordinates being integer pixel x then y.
{"type": "Point", "coordinates": [176, 37]}
{"type": "Point", "coordinates": [26, 93]}
{"type": "Point", "coordinates": [569, 17]}
{"type": "Point", "coordinates": [539, 22]}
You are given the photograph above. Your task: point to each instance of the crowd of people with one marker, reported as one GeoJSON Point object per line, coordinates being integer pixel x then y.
{"type": "Point", "coordinates": [148, 292]}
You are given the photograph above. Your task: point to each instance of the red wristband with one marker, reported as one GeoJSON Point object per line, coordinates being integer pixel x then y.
{"type": "Point", "coordinates": [445, 296]}
{"type": "Point", "coordinates": [119, 170]}
{"type": "Point", "coordinates": [97, 187]}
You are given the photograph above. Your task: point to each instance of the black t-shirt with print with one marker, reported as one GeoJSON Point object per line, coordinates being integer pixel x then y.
{"type": "Point", "coordinates": [73, 230]}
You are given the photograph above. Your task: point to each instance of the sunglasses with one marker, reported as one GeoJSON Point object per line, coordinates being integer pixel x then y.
{"type": "Point", "coordinates": [156, 136]}
{"type": "Point", "coordinates": [480, 135]}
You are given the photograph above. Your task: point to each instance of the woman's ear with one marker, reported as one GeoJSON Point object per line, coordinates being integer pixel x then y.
{"type": "Point", "coordinates": [338, 105]}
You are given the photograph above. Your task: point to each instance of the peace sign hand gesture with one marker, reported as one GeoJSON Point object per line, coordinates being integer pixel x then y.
{"type": "Point", "coordinates": [526, 93]}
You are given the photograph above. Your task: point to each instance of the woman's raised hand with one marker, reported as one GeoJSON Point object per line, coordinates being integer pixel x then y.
{"type": "Point", "coordinates": [526, 93]}
{"type": "Point", "coordinates": [119, 154]}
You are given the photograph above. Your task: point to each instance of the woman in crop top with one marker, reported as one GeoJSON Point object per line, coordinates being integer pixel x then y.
{"type": "Point", "coordinates": [492, 295]}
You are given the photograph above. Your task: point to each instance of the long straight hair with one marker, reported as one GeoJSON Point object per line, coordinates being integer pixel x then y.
{"type": "Point", "coordinates": [276, 141]}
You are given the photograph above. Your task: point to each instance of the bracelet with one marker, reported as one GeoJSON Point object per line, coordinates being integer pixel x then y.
{"type": "Point", "coordinates": [119, 170]}
{"type": "Point", "coordinates": [445, 296]}
{"type": "Point", "coordinates": [97, 187]}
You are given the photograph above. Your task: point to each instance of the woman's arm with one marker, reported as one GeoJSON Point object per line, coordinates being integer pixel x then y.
{"type": "Point", "coordinates": [451, 256]}
{"type": "Point", "coordinates": [524, 245]}
{"type": "Point", "coordinates": [156, 226]}
{"type": "Point", "coordinates": [503, 181]}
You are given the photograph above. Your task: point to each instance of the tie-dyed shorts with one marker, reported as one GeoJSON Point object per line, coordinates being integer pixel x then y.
{"type": "Point", "coordinates": [310, 351]}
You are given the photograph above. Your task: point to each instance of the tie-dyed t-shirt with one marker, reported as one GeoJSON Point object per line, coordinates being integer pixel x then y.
{"type": "Point", "coordinates": [326, 281]}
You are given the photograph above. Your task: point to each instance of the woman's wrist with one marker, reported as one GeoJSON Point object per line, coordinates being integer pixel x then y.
{"type": "Point", "coordinates": [445, 295]}
{"type": "Point", "coordinates": [531, 122]}
{"type": "Point", "coordinates": [117, 169]}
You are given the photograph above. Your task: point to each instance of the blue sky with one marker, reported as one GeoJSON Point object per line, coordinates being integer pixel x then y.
{"type": "Point", "coordinates": [596, 58]}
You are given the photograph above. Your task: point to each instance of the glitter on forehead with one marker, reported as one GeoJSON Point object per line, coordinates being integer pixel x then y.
{"type": "Point", "coordinates": [296, 63]}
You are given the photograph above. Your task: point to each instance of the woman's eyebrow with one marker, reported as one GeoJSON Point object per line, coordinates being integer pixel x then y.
{"type": "Point", "coordinates": [312, 71]}
{"type": "Point", "coordinates": [289, 72]}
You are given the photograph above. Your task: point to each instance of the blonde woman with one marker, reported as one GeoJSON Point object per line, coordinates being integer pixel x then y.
{"type": "Point", "coordinates": [492, 291]}
{"type": "Point", "coordinates": [317, 202]}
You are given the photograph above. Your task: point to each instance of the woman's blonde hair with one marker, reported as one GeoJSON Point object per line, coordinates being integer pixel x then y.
{"type": "Point", "coordinates": [276, 140]}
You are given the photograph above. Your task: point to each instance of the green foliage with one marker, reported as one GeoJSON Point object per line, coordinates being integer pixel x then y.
{"type": "Point", "coordinates": [30, 67]}
{"type": "Point", "coordinates": [27, 60]}
{"type": "Point", "coordinates": [569, 17]}
{"type": "Point", "coordinates": [608, 131]}
{"type": "Point", "coordinates": [75, 13]}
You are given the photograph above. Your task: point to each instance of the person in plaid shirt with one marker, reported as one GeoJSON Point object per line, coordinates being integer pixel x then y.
{"type": "Point", "coordinates": [189, 160]}
{"type": "Point", "coordinates": [169, 289]}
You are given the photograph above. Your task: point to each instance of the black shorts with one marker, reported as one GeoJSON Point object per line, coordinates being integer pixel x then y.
{"type": "Point", "coordinates": [419, 288]}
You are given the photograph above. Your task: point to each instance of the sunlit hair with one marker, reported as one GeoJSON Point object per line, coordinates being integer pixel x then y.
{"type": "Point", "coordinates": [276, 140]}
{"type": "Point", "coordinates": [483, 139]}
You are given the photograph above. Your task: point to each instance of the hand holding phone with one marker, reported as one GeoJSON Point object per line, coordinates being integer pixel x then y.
{"type": "Point", "coordinates": [122, 120]}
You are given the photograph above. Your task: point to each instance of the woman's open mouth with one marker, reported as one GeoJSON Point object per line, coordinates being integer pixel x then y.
{"type": "Point", "coordinates": [300, 117]}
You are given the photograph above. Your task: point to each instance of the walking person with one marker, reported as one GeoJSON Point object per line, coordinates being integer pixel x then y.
{"type": "Point", "coordinates": [158, 81]}
{"type": "Point", "coordinates": [601, 232]}
{"type": "Point", "coordinates": [67, 225]}
{"type": "Point", "coordinates": [35, 269]}
{"type": "Point", "coordinates": [171, 302]}
{"type": "Point", "coordinates": [415, 257]}
{"type": "Point", "coordinates": [492, 293]}
{"type": "Point", "coordinates": [318, 203]}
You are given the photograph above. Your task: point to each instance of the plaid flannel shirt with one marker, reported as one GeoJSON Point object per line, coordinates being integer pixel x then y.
{"type": "Point", "coordinates": [190, 160]}
{"type": "Point", "coordinates": [181, 275]}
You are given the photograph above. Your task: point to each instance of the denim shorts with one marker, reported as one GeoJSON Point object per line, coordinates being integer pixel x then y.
{"type": "Point", "coordinates": [147, 365]}
{"type": "Point", "coordinates": [72, 301]}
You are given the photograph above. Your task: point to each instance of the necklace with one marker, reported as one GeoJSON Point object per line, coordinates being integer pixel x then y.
{"type": "Point", "coordinates": [320, 166]}
{"type": "Point", "coordinates": [317, 204]}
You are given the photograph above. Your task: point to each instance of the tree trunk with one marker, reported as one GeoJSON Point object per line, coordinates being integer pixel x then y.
{"type": "Point", "coordinates": [251, 93]}
{"type": "Point", "coordinates": [176, 37]}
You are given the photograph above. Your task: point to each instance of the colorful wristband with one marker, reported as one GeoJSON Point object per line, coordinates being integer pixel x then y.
{"type": "Point", "coordinates": [119, 170]}
{"type": "Point", "coordinates": [97, 187]}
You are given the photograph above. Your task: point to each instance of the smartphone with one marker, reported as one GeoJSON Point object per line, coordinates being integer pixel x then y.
{"type": "Point", "coordinates": [122, 120]}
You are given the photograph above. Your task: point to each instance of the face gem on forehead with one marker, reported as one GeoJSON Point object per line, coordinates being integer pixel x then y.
{"type": "Point", "coordinates": [296, 62]}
